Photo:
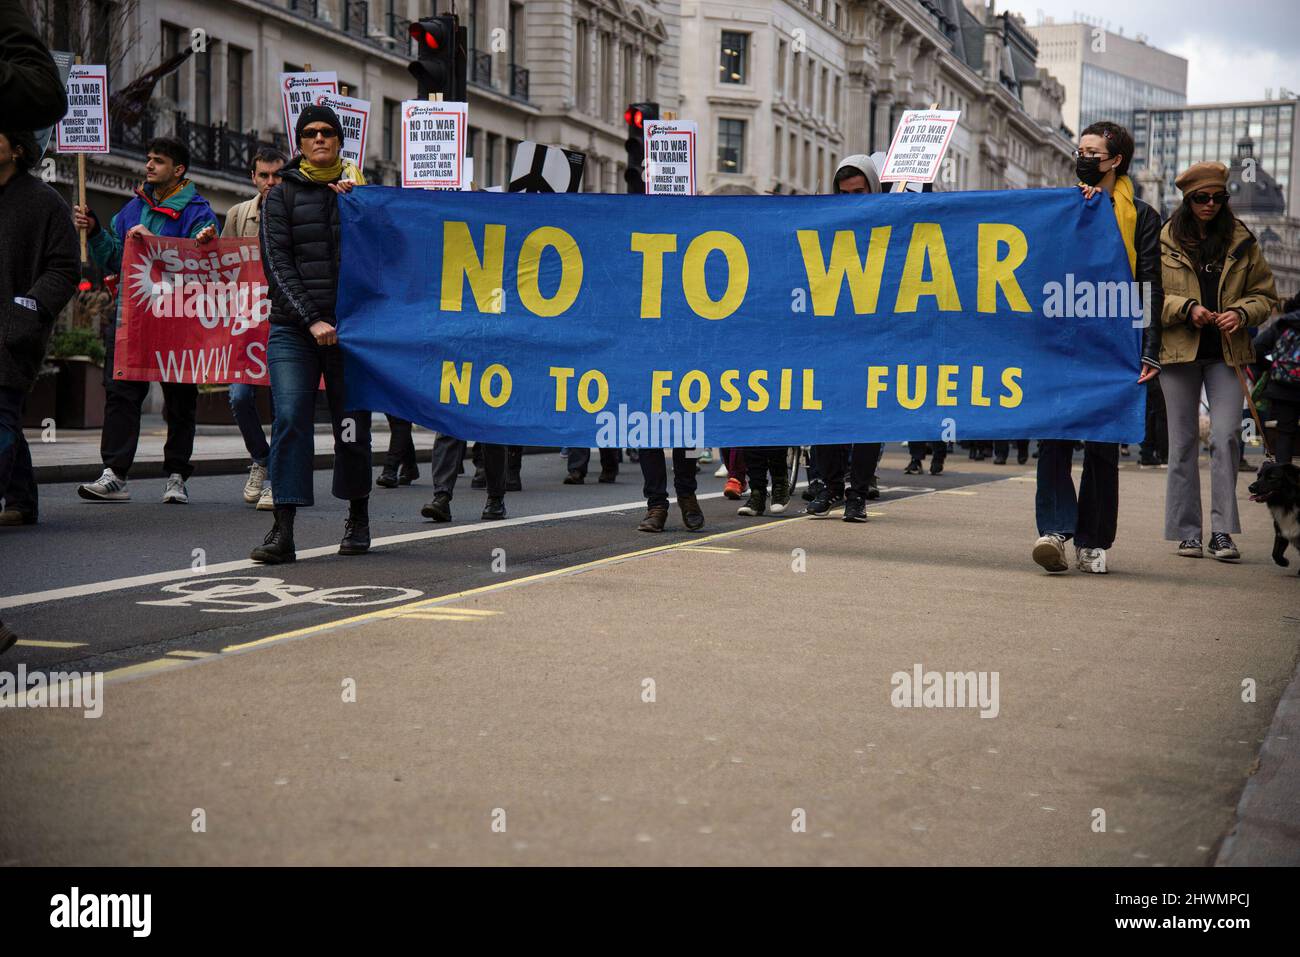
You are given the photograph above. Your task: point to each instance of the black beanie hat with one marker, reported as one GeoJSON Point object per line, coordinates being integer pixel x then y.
{"type": "Point", "coordinates": [315, 113]}
{"type": "Point", "coordinates": [27, 140]}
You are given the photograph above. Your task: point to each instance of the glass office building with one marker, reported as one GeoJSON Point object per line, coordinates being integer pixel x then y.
{"type": "Point", "coordinates": [1106, 95]}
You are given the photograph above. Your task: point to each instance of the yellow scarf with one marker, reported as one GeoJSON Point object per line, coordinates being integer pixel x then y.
{"type": "Point", "coordinates": [339, 169]}
{"type": "Point", "coordinates": [1126, 215]}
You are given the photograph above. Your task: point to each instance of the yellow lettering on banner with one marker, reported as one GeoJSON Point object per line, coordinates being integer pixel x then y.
{"type": "Point", "coordinates": [977, 396]}
{"type": "Point", "coordinates": [460, 261]}
{"type": "Point", "coordinates": [652, 246]}
{"type": "Point", "coordinates": [927, 246]}
{"type": "Point", "coordinates": [916, 400]}
{"type": "Point", "coordinates": [584, 391]}
{"type": "Point", "coordinates": [728, 382]}
{"type": "Point", "coordinates": [995, 273]}
{"type": "Point", "coordinates": [945, 384]}
{"type": "Point", "coordinates": [1011, 382]}
{"type": "Point", "coordinates": [787, 382]}
{"type": "Point", "coordinates": [760, 400]}
{"type": "Point", "coordinates": [455, 381]}
{"type": "Point", "coordinates": [500, 398]}
{"type": "Point", "coordinates": [697, 404]}
{"type": "Point", "coordinates": [659, 389]}
{"type": "Point", "coordinates": [876, 384]}
{"type": "Point", "coordinates": [693, 285]}
{"type": "Point", "coordinates": [528, 278]}
{"type": "Point", "coordinates": [824, 284]}
{"type": "Point", "coordinates": [810, 401]}
{"type": "Point", "coordinates": [561, 375]}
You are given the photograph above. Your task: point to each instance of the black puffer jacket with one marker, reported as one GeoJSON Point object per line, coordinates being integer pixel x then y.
{"type": "Point", "coordinates": [1147, 245]}
{"type": "Point", "coordinates": [300, 249]}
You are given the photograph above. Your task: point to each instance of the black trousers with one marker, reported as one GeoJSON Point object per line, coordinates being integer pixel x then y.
{"type": "Point", "coordinates": [1286, 414]}
{"type": "Point", "coordinates": [938, 449]}
{"type": "Point", "coordinates": [654, 471]}
{"type": "Point", "coordinates": [1091, 515]}
{"type": "Point", "coordinates": [447, 455]}
{"type": "Point", "coordinates": [580, 459]}
{"type": "Point", "coordinates": [859, 459]}
{"type": "Point", "coordinates": [401, 447]}
{"type": "Point", "coordinates": [764, 460]}
{"type": "Point", "coordinates": [1155, 444]}
{"type": "Point", "coordinates": [1001, 447]}
{"type": "Point", "coordinates": [123, 403]}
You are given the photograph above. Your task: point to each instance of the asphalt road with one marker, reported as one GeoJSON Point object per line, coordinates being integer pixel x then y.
{"type": "Point", "coordinates": [103, 587]}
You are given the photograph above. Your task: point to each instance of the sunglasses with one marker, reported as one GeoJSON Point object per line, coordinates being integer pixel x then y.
{"type": "Point", "coordinates": [326, 133]}
{"type": "Point", "coordinates": [1200, 199]}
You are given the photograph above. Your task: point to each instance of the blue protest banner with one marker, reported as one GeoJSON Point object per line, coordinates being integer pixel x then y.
{"type": "Point", "coordinates": [764, 320]}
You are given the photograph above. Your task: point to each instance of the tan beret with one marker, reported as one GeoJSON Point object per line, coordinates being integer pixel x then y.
{"type": "Point", "coordinates": [1202, 176]}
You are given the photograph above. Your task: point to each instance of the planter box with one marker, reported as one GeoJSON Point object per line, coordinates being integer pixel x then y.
{"type": "Point", "coordinates": [80, 403]}
{"type": "Point", "coordinates": [42, 401]}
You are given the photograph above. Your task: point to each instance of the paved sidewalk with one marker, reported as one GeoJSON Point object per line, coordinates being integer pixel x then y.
{"type": "Point", "coordinates": [1120, 700]}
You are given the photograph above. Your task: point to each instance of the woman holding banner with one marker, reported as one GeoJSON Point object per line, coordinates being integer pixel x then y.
{"type": "Point", "coordinates": [300, 252]}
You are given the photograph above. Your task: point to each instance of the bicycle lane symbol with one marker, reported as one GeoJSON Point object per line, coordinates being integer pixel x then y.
{"type": "Point", "coordinates": [246, 593]}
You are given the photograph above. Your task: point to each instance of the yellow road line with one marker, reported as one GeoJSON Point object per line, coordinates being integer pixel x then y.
{"type": "Point", "coordinates": [33, 643]}
{"type": "Point", "coordinates": [192, 654]}
{"type": "Point", "coordinates": [435, 616]}
{"type": "Point", "coordinates": [954, 491]}
{"type": "Point", "coordinates": [144, 667]}
{"type": "Point", "coordinates": [710, 549]}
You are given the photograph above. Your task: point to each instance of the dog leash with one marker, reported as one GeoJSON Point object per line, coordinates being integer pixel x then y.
{"type": "Point", "coordinates": [1254, 412]}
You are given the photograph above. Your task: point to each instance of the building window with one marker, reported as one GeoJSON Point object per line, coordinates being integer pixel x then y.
{"type": "Point", "coordinates": [393, 129]}
{"type": "Point", "coordinates": [174, 39]}
{"type": "Point", "coordinates": [103, 16]}
{"type": "Point", "coordinates": [236, 66]}
{"type": "Point", "coordinates": [781, 52]}
{"type": "Point", "coordinates": [629, 73]}
{"type": "Point", "coordinates": [489, 173]}
{"type": "Point", "coordinates": [203, 86]}
{"type": "Point", "coordinates": [648, 78]}
{"type": "Point", "coordinates": [777, 142]}
{"type": "Point", "coordinates": [731, 146]}
{"type": "Point", "coordinates": [582, 69]}
{"type": "Point", "coordinates": [516, 37]}
{"type": "Point", "coordinates": [734, 57]}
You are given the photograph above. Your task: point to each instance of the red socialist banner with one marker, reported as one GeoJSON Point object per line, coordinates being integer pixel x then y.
{"type": "Point", "coordinates": [192, 313]}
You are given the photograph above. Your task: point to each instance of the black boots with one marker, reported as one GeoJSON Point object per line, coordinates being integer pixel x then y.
{"type": "Point", "coordinates": [439, 509]}
{"type": "Point", "coordinates": [494, 510]}
{"type": "Point", "coordinates": [277, 548]}
{"type": "Point", "coordinates": [692, 514]}
{"type": "Point", "coordinates": [356, 530]}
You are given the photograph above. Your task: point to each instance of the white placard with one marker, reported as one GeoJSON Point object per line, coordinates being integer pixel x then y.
{"type": "Point", "coordinates": [84, 128]}
{"type": "Point", "coordinates": [298, 90]}
{"type": "Point", "coordinates": [354, 114]}
{"type": "Point", "coordinates": [433, 144]}
{"type": "Point", "coordinates": [918, 146]}
{"type": "Point", "coordinates": [669, 168]}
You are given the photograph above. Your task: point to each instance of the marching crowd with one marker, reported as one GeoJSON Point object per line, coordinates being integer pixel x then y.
{"type": "Point", "coordinates": [1211, 294]}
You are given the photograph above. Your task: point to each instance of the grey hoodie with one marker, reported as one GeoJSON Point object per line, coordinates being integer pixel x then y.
{"type": "Point", "coordinates": [861, 163]}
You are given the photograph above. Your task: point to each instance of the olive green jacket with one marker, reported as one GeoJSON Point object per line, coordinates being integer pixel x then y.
{"type": "Point", "coordinates": [1246, 284]}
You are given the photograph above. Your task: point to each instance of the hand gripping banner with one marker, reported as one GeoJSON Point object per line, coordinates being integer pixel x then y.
{"type": "Point", "coordinates": [766, 320]}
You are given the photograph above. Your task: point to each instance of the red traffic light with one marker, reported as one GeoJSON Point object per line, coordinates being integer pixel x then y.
{"type": "Point", "coordinates": [633, 117]}
{"type": "Point", "coordinates": [421, 34]}
{"type": "Point", "coordinates": [84, 286]}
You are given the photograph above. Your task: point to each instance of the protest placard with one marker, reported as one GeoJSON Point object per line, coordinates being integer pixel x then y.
{"type": "Point", "coordinates": [670, 157]}
{"type": "Point", "coordinates": [84, 128]}
{"type": "Point", "coordinates": [354, 114]}
{"type": "Point", "coordinates": [433, 144]}
{"type": "Point", "coordinates": [918, 146]}
{"type": "Point", "coordinates": [298, 90]}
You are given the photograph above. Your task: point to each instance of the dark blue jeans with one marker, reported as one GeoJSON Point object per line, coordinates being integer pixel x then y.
{"type": "Point", "coordinates": [17, 480]}
{"type": "Point", "coordinates": [654, 471]}
{"type": "Point", "coordinates": [1089, 519]}
{"type": "Point", "coordinates": [297, 364]}
{"type": "Point", "coordinates": [243, 406]}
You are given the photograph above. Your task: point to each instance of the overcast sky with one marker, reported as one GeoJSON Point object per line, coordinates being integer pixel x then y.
{"type": "Point", "coordinates": [1234, 50]}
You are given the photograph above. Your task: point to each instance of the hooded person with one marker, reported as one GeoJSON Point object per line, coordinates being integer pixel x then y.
{"type": "Point", "coordinates": [300, 253]}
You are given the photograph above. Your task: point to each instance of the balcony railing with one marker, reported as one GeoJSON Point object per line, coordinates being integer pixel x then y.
{"type": "Point", "coordinates": [212, 148]}
{"type": "Point", "coordinates": [518, 81]}
{"type": "Point", "coordinates": [480, 67]}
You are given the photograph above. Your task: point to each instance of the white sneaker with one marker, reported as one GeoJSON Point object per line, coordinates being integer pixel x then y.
{"type": "Point", "coordinates": [256, 479]}
{"type": "Point", "coordinates": [721, 471]}
{"type": "Point", "coordinates": [1090, 560]}
{"type": "Point", "coordinates": [1049, 551]}
{"type": "Point", "coordinates": [264, 501]}
{"type": "Point", "coordinates": [107, 488]}
{"type": "Point", "coordinates": [175, 493]}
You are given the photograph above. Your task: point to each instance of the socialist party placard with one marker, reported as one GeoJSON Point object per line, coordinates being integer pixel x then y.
{"type": "Point", "coordinates": [84, 128]}
{"type": "Point", "coordinates": [298, 90]}
{"type": "Point", "coordinates": [918, 146]}
{"type": "Point", "coordinates": [670, 157]}
{"type": "Point", "coordinates": [354, 114]}
{"type": "Point", "coordinates": [433, 144]}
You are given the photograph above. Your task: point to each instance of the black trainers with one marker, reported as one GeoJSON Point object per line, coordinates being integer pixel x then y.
{"type": "Point", "coordinates": [439, 509]}
{"type": "Point", "coordinates": [756, 504]}
{"type": "Point", "coordinates": [936, 467]}
{"type": "Point", "coordinates": [821, 506]}
{"type": "Point", "coordinates": [780, 494]}
{"type": "Point", "coordinates": [387, 478]}
{"type": "Point", "coordinates": [873, 490]}
{"type": "Point", "coordinates": [356, 537]}
{"type": "Point", "coordinates": [913, 467]}
{"type": "Point", "coordinates": [813, 490]}
{"type": "Point", "coordinates": [855, 509]}
{"type": "Point", "coordinates": [494, 510]}
{"type": "Point", "coordinates": [1190, 548]}
{"type": "Point", "coordinates": [277, 548]}
{"type": "Point", "coordinates": [1222, 548]}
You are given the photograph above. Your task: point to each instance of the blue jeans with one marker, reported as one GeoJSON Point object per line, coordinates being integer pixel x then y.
{"type": "Point", "coordinates": [297, 364]}
{"type": "Point", "coordinates": [1089, 519]}
{"type": "Point", "coordinates": [243, 406]}
{"type": "Point", "coordinates": [17, 480]}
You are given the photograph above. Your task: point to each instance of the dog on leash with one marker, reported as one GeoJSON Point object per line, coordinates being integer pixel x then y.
{"type": "Point", "coordinates": [1278, 487]}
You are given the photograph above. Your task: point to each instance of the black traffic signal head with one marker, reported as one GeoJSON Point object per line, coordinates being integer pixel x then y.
{"type": "Point", "coordinates": [440, 63]}
{"type": "Point", "coordinates": [635, 116]}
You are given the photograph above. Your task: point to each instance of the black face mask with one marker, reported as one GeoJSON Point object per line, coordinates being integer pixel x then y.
{"type": "Point", "coordinates": [1088, 169]}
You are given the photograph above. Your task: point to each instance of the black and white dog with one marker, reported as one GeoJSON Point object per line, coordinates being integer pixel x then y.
{"type": "Point", "coordinates": [1278, 487]}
